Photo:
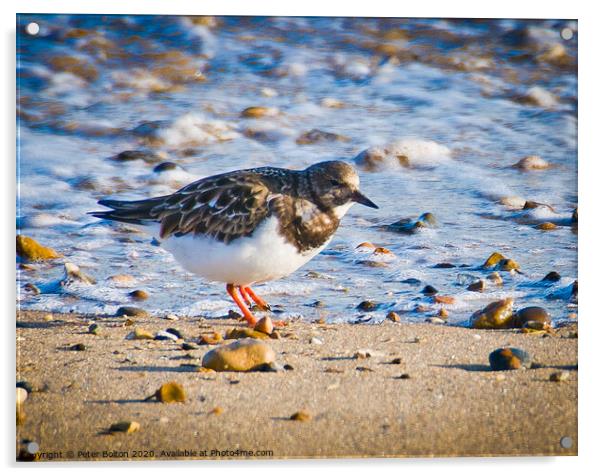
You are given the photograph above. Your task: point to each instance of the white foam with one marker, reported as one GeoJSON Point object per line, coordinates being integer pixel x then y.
{"type": "Point", "coordinates": [417, 152]}
{"type": "Point", "coordinates": [193, 129]}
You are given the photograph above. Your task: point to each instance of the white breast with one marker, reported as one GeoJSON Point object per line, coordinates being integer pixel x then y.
{"type": "Point", "coordinates": [264, 256]}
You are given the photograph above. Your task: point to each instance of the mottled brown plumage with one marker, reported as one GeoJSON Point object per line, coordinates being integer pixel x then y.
{"type": "Point", "coordinates": [231, 205]}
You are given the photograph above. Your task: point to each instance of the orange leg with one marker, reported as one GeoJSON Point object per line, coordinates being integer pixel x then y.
{"type": "Point", "coordinates": [245, 296]}
{"type": "Point", "coordinates": [245, 310]}
{"type": "Point", "coordinates": [260, 302]}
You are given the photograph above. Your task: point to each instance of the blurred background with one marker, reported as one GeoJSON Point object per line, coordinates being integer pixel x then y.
{"type": "Point", "coordinates": [435, 114]}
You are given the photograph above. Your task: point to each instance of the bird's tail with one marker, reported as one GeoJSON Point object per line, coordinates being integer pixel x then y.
{"type": "Point", "coordinates": [137, 212]}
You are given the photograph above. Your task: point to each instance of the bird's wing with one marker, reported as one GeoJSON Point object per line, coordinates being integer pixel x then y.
{"type": "Point", "coordinates": [223, 207]}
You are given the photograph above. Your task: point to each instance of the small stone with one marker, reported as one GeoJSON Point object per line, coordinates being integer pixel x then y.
{"type": "Point", "coordinates": [30, 250]}
{"type": "Point", "coordinates": [124, 427]}
{"type": "Point", "coordinates": [259, 111]}
{"type": "Point", "coordinates": [546, 226]}
{"type": "Point", "coordinates": [316, 341]}
{"type": "Point", "coordinates": [300, 416]}
{"type": "Point", "coordinates": [74, 274]}
{"type": "Point", "coordinates": [316, 136]}
{"type": "Point", "coordinates": [363, 354]}
{"type": "Point", "coordinates": [497, 315]}
{"type": "Point", "coordinates": [22, 395]}
{"type": "Point", "coordinates": [171, 392]}
{"type": "Point", "coordinates": [443, 313]}
{"type": "Point", "coordinates": [477, 286]}
{"type": "Point", "coordinates": [495, 278]}
{"type": "Point", "coordinates": [530, 314]}
{"type": "Point", "coordinates": [444, 266]}
{"type": "Point", "coordinates": [165, 167]}
{"type": "Point", "coordinates": [275, 335]}
{"type": "Point", "coordinates": [493, 260]}
{"type": "Point", "coordinates": [365, 244]}
{"type": "Point", "coordinates": [164, 335]}
{"type": "Point", "coordinates": [140, 334]}
{"type": "Point", "coordinates": [429, 290]}
{"type": "Point", "coordinates": [575, 216]}
{"type": "Point", "coordinates": [131, 155]}
{"type": "Point", "coordinates": [444, 299]}
{"type": "Point", "coordinates": [48, 318]}
{"type": "Point", "coordinates": [211, 338]}
{"type": "Point", "coordinates": [189, 346]}
{"type": "Point", "coordinates": [217, 411]}
{"type": "Point", "coordinates": [171, 317]}
{"type": "Point", "coordinates": [32, 288]}
{"type": "Point", "coordinates": [139, 295]}
{"type": "Point", "coordinates": [393, 316]}
{"type": "Point", "coordinates": [78, 347]}
{"type": "Point", "coordinates": [404, 376]}
{"type": "Point", "coordinates": [372, 263]}
{"type": "Point", "coordinates": [508, 265]}
{"type": "Point", "coordinates": [130, 311]}
{"type": "Point", "coordinates": [94, 329]}
{"type": "Point", "coordinates": [382, 251]}
{"type": "Point", "coordinates": [288, 367]}
{"type": "Point", "coordinates": [513, 202]}
{"type": "Point", "coordinates": [509, 358]}
{"type": "Point", "coordinates": [27, 386]}
{"type": "Point", "coordinates": [422, 308]}
{"type": "Point", "coordinates": [434, 320]}
{"type": "Point", "coordinates": [561, 376]}
{"type": "Point", "coordinates": [245, 332]}
{"type": "Point", "coordinates": [532, 162]}
{"type": "Point", "coordinates": [175, 332]}
{"type": "Point", "coordinates": [367, 306]}
{"type": "Point", "coordinates": [411, 281]}
{"type": "Point", "coordinates": [264, 325]}
{"type": "Point", "coordinates": [396, 361]}
{"type": "Point", "coordinates": [240, 356]}
{"type": "Point", "coordinates": [552, 277]}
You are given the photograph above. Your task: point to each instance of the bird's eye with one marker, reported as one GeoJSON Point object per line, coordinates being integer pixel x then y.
{"type": "Point", "coordinates": [335, 183]}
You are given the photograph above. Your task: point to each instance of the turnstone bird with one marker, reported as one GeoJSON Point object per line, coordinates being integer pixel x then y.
{"type": "Point", "coordinates": [248, 226]}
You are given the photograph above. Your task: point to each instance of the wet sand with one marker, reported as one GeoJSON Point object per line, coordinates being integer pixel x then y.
{"type": "Point", "coordinates": [451, 404]}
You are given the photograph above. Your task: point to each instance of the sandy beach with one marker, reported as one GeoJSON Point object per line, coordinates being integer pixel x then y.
{"type": "Point", "coordinates": [447, 403]}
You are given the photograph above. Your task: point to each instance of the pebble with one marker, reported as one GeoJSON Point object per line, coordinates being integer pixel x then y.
{"type": "Point", "coordinates": [189, 346]}
{"type": "Point", "coordinates": [575, 216]}
{"type": "Point", "coordinates": [140, 334]}
{"type": "Point", "coordinates": [27, 386]}
{"type": "Point", "coordinates": [552, 277]}
{"type": "Point", "coordinates": [94, 329]}
{"type": "Point", "coordinates": [217, 411]}
{"type": "Point", "coordinates": [316, 136]}
{"type": "Point", "coordinates": [409, 226]}
{"type": "Point", "coordinates": [300, 416]}
{"type": "Point", "coordinates": [495, 278]}
{"type": "Point", "coordinates": [443, 313]}
{"type": "Point", "coordinates": [175, 332]}
{"type": "Point", "coordinates": [48, 317]}
{"type": "Point", "coordinates": [30, 250]}
{"type": "Point", "coordinates": [546, 226]}
{"type": "Point", "coordinates": [367, 306]}
{"type": "Point", "coordinates": [477, 286]}
{"type": "Point", "coordinates": [493, 260]}
{"type": "Point", "coordinates": [171, 392]}
{"type": "Point", "coordinates": [172, 317]}
{"type": "Point", "coordinates": [259, 111]}
{"type": "Point", "coordinates": [435, 320]}
{"type": "Point", "coordinates": [243, 333]}
{"type": "Point", "coordinates": [316, 341]}
{"type": "Point", "coordinates": [130, 311]}
{"type": "Point", "coordinates": [22, 395]}
{"type": "Point", "coordinates": [164, 335]}
{"type": "Point", "coordinates": [393, 316]}
{"type": "Point", "coordinates": [165, 167]}
{"type": "Point", "coordinates": [124, 427]}
{"type": "Point", "coordinates": [32, 288]}
{"type": "Point", "coordinates": [444, 266]}
{"type": "Point", "coordinates": [508, 265]}
{"type": "Point", "coordinates": [240, 356]}
{"type": "Point", "coordinates": [532, 162]}
{"type": "Point", "coordinates": [264, 325]}
{"type": "Point", "coordinates": [78, 347]}
{"type": "Point", "coordinates": [444, 299]}
{"type": "Point", "coordinates": [429, 290]}
{"type": "Point", "coordinates": [130, 155]}
{"type": "Point", "coordinates": [531, 314]}
{"type": "Point", "coordinates": [211, 338]}
{"type": "Point", "coordinates": [497, 315]}
{"type": "Point", "coordinates": [561, 376]}
{"type": "Point", "coordinates": [365, 244]}
{"type": "Point", "coordinates": [509, 358]}
{"type": "Point", "coordinates": [74, 274]}
{"type": "Point", "coordinates": [382, 251]}
{"type": "Point", "coordinates": [139, 295]}
{"type": "Point", "coordinates": [363, 354]}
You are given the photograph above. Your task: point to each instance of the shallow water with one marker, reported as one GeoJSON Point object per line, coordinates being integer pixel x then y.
{"type": "Point", "coordinates": [90, 85]}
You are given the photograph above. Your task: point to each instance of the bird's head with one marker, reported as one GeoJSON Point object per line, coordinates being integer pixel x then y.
{"type": "Point", "coordinates": [336, 184]}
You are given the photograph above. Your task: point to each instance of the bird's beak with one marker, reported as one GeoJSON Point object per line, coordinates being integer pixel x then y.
{"type": "Point", "coordinates": [359, 197]}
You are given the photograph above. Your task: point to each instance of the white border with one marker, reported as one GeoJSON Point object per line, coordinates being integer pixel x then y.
{"type": "Point", "coordinates": [590, 82]}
